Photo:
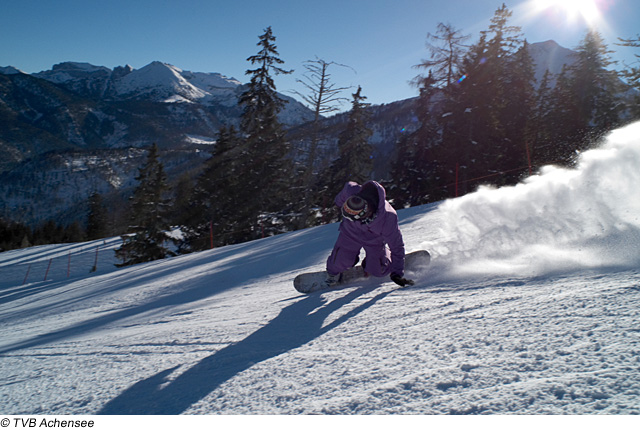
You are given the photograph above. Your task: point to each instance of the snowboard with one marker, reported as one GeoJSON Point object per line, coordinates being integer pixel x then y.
{"type": "Point", "coordinates": [315, 281]}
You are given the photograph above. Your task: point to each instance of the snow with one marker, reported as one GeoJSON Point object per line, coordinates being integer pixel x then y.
{"type": "Point", "coordinates": [562, 219]}
{"type": "Point", "coordinates": [71, 71]}
{"type": "Point", "coordinates": [210, 81]}
{"type": "Point", "coordinates": [530, 306]}
{"type": "Point", "coordinates": [200, 140]}
{"type": "Point", "coordinates": [550, 56]}
{"type": "Point", "coordinates": [160, 78]}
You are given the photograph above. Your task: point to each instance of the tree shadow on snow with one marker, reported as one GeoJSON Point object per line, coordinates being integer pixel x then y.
{"type": "Point", "coordinates": [296, 325]}
{"type": "Point", "coordinates": [192, 278]}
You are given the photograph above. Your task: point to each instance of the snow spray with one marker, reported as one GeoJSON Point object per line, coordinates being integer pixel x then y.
{"type": "Point", "coordinates": [560, 220]}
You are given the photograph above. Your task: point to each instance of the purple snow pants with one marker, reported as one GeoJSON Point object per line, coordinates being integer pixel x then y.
{"type": "Point", "coordinates": [346, 252]}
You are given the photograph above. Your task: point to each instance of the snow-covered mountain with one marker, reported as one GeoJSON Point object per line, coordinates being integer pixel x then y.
{"type": "Point", "coordinates": [82, 106]}
{"type": "Point", "coordinates": [76, 110]}
{"type": "Point", "coordinates": [161, 83]}
{"type": "Point", "coordinates": [530, 306]}
{"type": "Point", "coordinates": [550, 56]}
{"type": "Point", "coordinates": [157, 81]}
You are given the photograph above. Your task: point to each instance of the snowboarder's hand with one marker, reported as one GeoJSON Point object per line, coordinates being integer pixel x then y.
{"type": "Point", "coordinates": [400, 280]}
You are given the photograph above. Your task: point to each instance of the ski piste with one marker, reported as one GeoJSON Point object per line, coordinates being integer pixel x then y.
{"type": "Point", "coordinates": [311, 282]}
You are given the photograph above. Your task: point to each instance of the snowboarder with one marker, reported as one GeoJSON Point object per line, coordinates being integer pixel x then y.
{"type": "Point", "coordinates": [369, 222]}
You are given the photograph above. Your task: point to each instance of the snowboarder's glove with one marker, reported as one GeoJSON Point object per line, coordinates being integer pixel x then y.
{"type": "Point", "coordinates": [400, 280]}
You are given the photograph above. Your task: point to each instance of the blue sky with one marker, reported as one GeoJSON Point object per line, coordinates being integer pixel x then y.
{"type": "Point", "coordinates": [380, 40]}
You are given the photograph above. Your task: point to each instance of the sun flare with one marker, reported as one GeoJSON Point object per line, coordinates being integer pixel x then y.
{"type": "Point", "coordinates": [587, 10]}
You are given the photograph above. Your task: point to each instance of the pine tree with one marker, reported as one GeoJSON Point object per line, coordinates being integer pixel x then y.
{"type": "Point", "coordinates": [212, 211]}
{"type": "Point", "coordinates": [148, 224]}
{"type": "Point", "coordinates": [542, 120]}
{"type": "Point", "coordinates": [97, 219]}
{"type": "Point", "coordinates": [73, 233]}
{"type": "Point", "coordinates": [594, 85]}
{"type": "Point", "coordinates": [14, 235]}
{"type": "Point", "coordinates": [445, 59]}
{"type": "Point", "coordinates": [584, 101]}
{"type": "Point", "coordinates": [415, 167]}
{"type": "Point", "coordinates": [632, 76]}
{"type": "Point", "coordinates": [48, 232]}
{"type": "Point", "coordinates": [468, 149]}
{"type": "Point", "coordinates": [422, 160]}
{"type": "Point", "coordinates": [478, 143]}
{"type": "Point", "coordinates": [508, 77]}
{"type": "Point", "coordinates": [355, 159]}
{"type": "Point", "coordinates": [565, 126]}
{"type": "Point", "coordinates": [181, 196]}
{"type": "Point", "coordinates": [267, 169]}
{"type": "Point", "coordinates": [355, 162]}
{"type": "Point", "coordinates": [516, 117]}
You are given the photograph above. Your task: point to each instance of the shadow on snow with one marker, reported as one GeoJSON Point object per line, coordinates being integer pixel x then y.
{"type": "Point", "coordinates": [191, 278]}
{"type": "Point", "coordinates": [296, 325]}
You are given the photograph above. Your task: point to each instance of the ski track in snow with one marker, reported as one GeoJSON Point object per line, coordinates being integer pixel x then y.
{"type": "Point", "coordinates": [530, 306]}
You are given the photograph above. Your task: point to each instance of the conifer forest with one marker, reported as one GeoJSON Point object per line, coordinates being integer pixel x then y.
{"type": "Point", "coordinates": [482, 119]}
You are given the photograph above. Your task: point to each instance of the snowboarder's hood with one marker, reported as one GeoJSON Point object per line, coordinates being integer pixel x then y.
{"type": "Point", "coordinates": [374, 193]}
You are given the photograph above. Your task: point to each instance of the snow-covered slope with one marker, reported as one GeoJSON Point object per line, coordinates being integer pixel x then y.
{"type": "Point", "coordinates": [529, 307]}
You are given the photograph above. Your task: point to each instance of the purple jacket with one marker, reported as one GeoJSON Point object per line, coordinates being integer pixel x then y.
{"type": "Point", "coordinates": [383, 229]}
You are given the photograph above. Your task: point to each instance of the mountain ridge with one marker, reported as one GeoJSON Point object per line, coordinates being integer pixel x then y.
{"type": "Point", "coordinates": [56, 116]}
{"type": "Point", "coordinates": [125, 82]}
{"type": "Point", "coordinates": [83, 106]}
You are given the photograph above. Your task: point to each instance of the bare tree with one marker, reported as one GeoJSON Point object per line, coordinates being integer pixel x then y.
{"type": "Point", "coordinates": [323, 97]}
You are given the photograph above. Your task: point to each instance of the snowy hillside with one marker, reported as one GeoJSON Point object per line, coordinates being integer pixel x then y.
{"type": "Point", "coordinates": [530, 306]}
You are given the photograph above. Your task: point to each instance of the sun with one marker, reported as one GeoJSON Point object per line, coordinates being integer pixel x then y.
{"type": "Point", "coordinates": [587, 10]}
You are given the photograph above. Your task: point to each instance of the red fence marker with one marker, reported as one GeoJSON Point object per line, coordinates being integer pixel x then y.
{"type": "Point", "coordinates": [95, 265]}
{"type": "Point", "coordinates": [48, 267]}
{"type": "Point", "coordinates": [27, 275]}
